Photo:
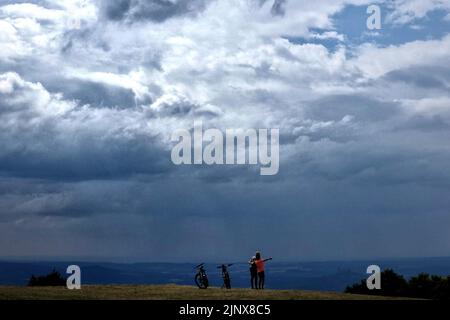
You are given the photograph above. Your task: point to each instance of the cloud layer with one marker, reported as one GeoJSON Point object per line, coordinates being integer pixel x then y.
{"type": "Point", "coordinates": [91, 90]}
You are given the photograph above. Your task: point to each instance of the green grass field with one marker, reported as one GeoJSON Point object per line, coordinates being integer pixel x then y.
{"type": "Point", "coordinates": [167, 292]}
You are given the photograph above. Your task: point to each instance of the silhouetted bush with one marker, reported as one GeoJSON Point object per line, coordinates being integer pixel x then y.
{"type": "Point", "coordinates": [394, 285]}
{"type": "Point", "coordinates": [53, 279]}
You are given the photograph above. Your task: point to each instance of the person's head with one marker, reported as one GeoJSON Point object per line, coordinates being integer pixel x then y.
{"type": "Point", "coordinates": [258, 255]}
{"type": "Point", "coordinates": [253, 258]}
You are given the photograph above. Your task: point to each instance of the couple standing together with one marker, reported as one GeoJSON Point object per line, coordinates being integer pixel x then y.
{"type": "Point", "coordinates": [257, 276]}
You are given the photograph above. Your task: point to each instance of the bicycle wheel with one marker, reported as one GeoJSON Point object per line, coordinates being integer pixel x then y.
{"type": "Point", "coordinates": [201, 281]}
{"type": "Point", "coordinates": [205, 281]}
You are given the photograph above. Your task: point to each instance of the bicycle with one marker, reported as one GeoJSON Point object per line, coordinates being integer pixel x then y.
{"type": "Point", "coordinates": [225, 275]}
{"type": "Point", "coordinates": [201, 279]}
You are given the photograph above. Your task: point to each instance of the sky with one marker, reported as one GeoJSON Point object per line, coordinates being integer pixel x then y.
{"type": "Point", "coordinates": [91, 91]}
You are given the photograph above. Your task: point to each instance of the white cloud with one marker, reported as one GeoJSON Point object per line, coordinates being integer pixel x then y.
{"type": "Point", "coordinates": [11, 46]}
{"type": "Point", "coordinates": [328, 35]}
{"type": "Point", "coordinates": [22, 98]}
{"type": "Point", "coordinates": [438, 106]}
{"type": "Point", "coordinates": [406, 11]}
{"type": "Point", "coordinates": [29, 10]}
{"type": "Point", "coordinates": [132, 81]}
{"type": "Point", "coordinates": [376, 61]}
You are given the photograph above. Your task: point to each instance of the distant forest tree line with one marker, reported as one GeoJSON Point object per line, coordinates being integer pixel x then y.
{"type": "Point", "coordinates": [423, 286]}
{"type": "Point", "coordinates": [53, 279]}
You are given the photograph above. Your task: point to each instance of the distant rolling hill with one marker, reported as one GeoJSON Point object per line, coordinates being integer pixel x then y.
{"type": "Point", "coordinates": [319, 276]}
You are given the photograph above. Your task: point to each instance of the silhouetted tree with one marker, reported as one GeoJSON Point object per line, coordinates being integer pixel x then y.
{"type": "Point", "coordinates": [421, 286]}
{"type": "Point", "coordinates": [53, 279]}
{"type": "Point", "coordinates": [392, 284]}
{"type": "Point", "coordinates": [442, 290]}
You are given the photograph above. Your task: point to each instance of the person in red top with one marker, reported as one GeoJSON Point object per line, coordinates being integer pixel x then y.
{"type": "Point", "coordinates": [260, 269]}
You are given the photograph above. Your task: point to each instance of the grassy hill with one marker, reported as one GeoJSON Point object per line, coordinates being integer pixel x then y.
{"type": "Point", "coordinates": [168, 292]}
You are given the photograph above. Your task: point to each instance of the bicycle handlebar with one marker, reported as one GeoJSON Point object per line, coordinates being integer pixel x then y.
{"type": "Point", "coordinates": [226, 265]}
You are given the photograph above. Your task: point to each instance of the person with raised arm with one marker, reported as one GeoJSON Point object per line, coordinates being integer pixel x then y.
{"type": "Point", "coordinates": [260, 268]}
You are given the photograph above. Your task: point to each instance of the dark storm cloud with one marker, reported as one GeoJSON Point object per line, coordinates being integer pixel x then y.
{"type": "Point", "coordinates": [39, 142]}
{"type": "Point", "coordinates": [116, 10]}
{"type": "Point", "coordinates": [153, 10]}
{"type": "Point", "coordinates": [367, 162]}
{"type": "Point", "coordinates": [81, 36]}
{"type": "Point", "coordinates": [363, 159]}
{"type": "Point", "coordinates": [95, 94]}
{"type": "Point", "coordinates": [426, 123]}
{"type": "Point", "coordinates": [278, 8]}
{"type": "Point", "coordinates": [181, 107]}
{"type": "Point", "coordinates": [435, 78]}
{"type": "Point", "coordinates": [224, 213]}
{"type": "Point", "coordinates": [362, 108]}
{"type": "Point", "coordinates": [114, 159]}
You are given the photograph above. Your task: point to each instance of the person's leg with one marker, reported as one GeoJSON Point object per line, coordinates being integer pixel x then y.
{"type": "Point", "coordinates": [261, 280]}
{"type": "Point", "coordinates": [257, 281]}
